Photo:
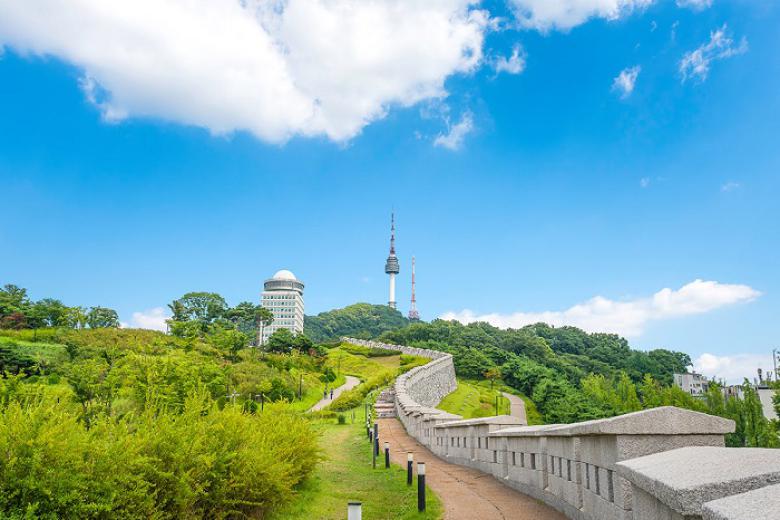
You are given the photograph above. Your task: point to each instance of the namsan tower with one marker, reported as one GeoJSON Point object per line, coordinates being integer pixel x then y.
{"type": "Point", "coordinates": [391, 266]}
{"type": "Point", "coordinates": [413, 314]}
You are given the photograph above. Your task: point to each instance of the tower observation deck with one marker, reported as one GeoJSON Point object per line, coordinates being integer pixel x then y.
{"type": "Point", "coordinates": [392, 266]}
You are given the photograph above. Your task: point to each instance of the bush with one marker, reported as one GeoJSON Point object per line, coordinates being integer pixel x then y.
{"type": "Point", "coordinates": [353, 398]}
{"type": "Point", "coordinates": [203, 462]}
{"type": "Point", "coordinates": [342, 419]}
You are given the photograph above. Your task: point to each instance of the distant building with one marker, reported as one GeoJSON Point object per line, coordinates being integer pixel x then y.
{"type": "Point", "coordinates": [283, 296]}
{"type": "Point", "coordinates": [765, 395]}
{"type": "Point", "coordinates": [692, 383]}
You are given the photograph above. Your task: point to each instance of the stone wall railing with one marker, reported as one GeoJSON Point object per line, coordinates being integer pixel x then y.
{"type": "Point", "coordinates": [659, 464]}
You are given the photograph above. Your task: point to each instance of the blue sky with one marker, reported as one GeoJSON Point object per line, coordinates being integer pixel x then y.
{"type": "Point", "coordinates": [528, 175]}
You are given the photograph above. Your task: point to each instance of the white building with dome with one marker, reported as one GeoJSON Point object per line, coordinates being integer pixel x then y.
{"type": "Point", "coordinates": [283, 296]}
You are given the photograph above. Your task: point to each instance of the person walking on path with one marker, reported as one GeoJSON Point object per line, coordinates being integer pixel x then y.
{"type": "Point", "coordinates": [351, 383]}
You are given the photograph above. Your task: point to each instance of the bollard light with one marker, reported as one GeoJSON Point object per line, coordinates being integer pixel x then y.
{"type": "Point", "coordinates": [355, 511]}
{"type": "Point", "coordinates": [387, 455]}
{"type": "Point", "coordinates": [421, 486]}
{"type": "Point", "coordinates": [409, 467]}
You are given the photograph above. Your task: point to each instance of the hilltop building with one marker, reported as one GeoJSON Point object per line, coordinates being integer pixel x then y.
{"type": "Point", "coordinates": [283, 296]}
{"type": "Point", "coordinates": [692, 383]}
{"type": "Point", "coordinates": [391, 266]}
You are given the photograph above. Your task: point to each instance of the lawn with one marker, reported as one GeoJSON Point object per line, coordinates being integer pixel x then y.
{"type": "Point", "coordinates": [477, 399]}
{"type": "Point", "coordinates": [344, 362]}
{"type": "Point", "coordinates": [347, 474]}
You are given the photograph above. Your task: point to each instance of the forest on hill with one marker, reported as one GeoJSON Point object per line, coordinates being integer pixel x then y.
{"type": "Point", "coordinates": [361, 321]}
{"type": "Point", "coordinates": [570, 375]}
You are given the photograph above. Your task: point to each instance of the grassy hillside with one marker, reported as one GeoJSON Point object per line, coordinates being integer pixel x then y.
{"type": "Point", "coordinates": [476, 398]}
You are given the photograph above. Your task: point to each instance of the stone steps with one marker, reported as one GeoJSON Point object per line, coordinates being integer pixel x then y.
{"type": "Point", "coordinates": [385, 404]}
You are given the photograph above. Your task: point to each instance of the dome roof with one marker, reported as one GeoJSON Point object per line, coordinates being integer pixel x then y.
{"type": "Point", "coordinates": [284, 274]}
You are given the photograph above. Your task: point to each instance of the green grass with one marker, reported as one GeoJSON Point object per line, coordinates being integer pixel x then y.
{"type": "Point", "coordinates": [472, 400]}
{"type": "Point", "coordinates": [49, 353]}
{"type": "Point", "coordinates": [476, 399]}
{"type": "Point", "coordinates": [344, 362]}
{"type": "Point", "coordinates": [346, 474]}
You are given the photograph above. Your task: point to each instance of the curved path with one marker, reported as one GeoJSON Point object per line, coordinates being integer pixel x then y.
{"type": "Point", "coordinates": [516, 406]}
{"type": "Point", "coordinates": [351, 383]}
{"type": "Point", "coordinates": [465, 493]}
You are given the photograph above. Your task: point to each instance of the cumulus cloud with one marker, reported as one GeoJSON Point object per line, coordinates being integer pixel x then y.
{"type": "Point", "coordinates": [696, 5]}
{"type": "Point", "coordinates": [730, 186]}
{"type": "Point", "coordinates": [627, 318]}
{"type": "Point", "coordinates": [625, 81]}
{"type": "Point", "coordinates": [514, 64]}
{"type": "Point", "coordinates": [695, 64]}
{"type": "Point", "coordinates": [149, 319]}
{"type": "Point", "coordinates": [733, 368]}
{"type": "Point", "coordinates": [273, 68]}
{"type": "Point", "coordinates": [544, 15]}
{"type": "Point", "coordinates": [644, 182]}
{"type": "Point", "coordinates": [453, 139]}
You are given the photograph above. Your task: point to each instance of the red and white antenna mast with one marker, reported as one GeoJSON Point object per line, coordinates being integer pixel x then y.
{"type": "Point", "coordinates": [413, 314]}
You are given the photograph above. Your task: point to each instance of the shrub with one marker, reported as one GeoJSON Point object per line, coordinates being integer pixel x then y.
{"type": "Point", "coordinates": [352, 398]}
{"type": "Point", "coordinates": [203, 462]}
{"type": "Point", "coordinates": [342, 419]}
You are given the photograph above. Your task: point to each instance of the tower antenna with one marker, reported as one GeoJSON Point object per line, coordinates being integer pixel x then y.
{"type": "Point", "coordinates": [413, 314]}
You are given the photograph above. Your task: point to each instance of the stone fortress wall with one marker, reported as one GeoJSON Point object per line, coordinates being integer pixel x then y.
{"type": "Point", "coordinates": [658, 464]}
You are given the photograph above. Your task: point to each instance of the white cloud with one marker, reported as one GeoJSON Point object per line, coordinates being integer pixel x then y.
{"type": "Point", "coordinates": [733, 368]}
{"type": "Point", "coordinates": [149, 319]}
{"type": "Point", "coordinates": [544, 15]}
{"type": "Point", "coordinates": [625, 81]}
{"type": "Point", "coordinates": [644, 182]}
{"type": "Point", "coordinates": [696, 63]}
{"type": "Point", "coordinates": [696, 5]}
{"type": "Point", "coordinates": [730, 186]}
{"type": "Point", "coordinates": [274, 68]}
{"type": "Point", "coordinates": [514, 64]}
{"type": "Point", "coordinates": [453, 139]}
{"type": "Point", "coordinates": [628, 318]}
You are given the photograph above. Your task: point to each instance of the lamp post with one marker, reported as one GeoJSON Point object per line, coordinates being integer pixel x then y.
{"type": "Point", "coordinates": [409, 467]}
{"type": "Point", "coordinates": [354, 511]}
{"type": "Point", "coordinates": [421, 486]}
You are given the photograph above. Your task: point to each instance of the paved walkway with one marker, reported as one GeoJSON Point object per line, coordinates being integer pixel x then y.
{"type": "Point", "coordinates": [466, 493]}
{"type": "Point", "coordinates": [516, 406]}
{"type": "Point", "coordinates": [351, 383]}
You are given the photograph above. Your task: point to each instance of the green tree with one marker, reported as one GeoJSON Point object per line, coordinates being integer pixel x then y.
{"type": "Point", "coordinates": [281, 341]}
{"type": "Point", "coordinates": [758, 430]}
{"type": "Point", "coordinates": [203, 308]}
{"type": "Point", "coordinates": [48, 312]}
{"type": "Point", "coordinates": [102, 317]}
{"type": "Point", "coordinates": [492, 374]}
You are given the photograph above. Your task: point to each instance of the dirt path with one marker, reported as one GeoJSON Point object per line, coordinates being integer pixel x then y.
{"type": "Point", "coordinates": [516, 406]}
{"type": "Point", "coordinates": [351, 383]}
{"type": "Point", "coordinates": [466, 493]}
